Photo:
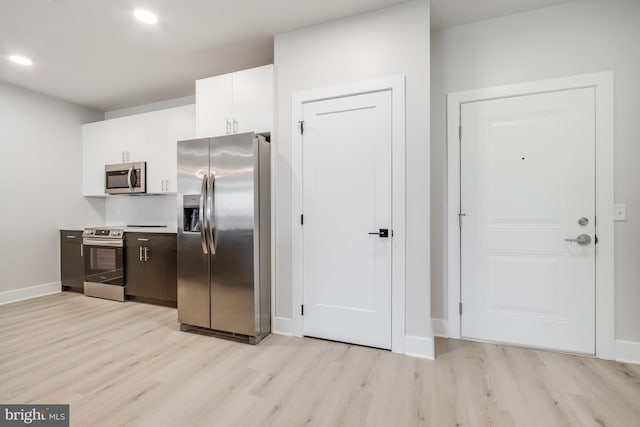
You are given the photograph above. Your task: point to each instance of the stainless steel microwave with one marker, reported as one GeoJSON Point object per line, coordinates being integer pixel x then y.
{"type": "Point", "coordinates": [125, 178]}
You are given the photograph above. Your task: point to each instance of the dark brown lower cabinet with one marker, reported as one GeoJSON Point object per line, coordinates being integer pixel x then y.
{"type": "Point", "coordinates": [150, 268]}
{"type": "Point", "coordinates": [71, 261]}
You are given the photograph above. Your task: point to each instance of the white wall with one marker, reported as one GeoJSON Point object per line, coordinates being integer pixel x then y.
{"type": "Point", "coordinates": [40, 184]}
{"type": "Point", "coordinates": [377, 44]}
{"type": "Point", "coordinates": [155, 106]}
{"type": "Point", "coordinates": [573, 38]}
{"type": "Point", "coordinates": [142, 210]}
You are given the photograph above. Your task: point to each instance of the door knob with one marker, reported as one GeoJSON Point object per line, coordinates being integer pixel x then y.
{"type": "Point", "coordinates": [583, 239]}
{"type": "Point", "coordinates": [384, 232]}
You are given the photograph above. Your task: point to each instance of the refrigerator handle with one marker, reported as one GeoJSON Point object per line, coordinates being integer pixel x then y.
{"type": "Point", "coordinates": [202, 216]}
{"type": "Point", "coordinates": [211, 208]}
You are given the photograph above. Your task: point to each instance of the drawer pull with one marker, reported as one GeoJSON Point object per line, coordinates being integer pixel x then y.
{"type": "Point", "coordinates": [142, 240]}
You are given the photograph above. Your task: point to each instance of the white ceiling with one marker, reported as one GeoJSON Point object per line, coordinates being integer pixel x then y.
{"type": "Point", "coordinates": [92, 52]}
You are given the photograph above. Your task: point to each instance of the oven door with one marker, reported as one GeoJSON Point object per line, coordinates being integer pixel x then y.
{"type": "Point", "coordinates": [103, 264]}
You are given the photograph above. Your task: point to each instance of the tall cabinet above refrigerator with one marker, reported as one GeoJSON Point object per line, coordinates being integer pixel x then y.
{"type": "Point", "coordinates": [224, 236]}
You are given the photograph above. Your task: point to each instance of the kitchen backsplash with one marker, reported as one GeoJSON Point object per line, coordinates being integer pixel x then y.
{"type": "Point", "coordinates": [141, 210]}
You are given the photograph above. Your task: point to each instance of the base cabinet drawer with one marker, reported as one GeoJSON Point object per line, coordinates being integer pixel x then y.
{"type": "Point", "coordinates": [151, 267]}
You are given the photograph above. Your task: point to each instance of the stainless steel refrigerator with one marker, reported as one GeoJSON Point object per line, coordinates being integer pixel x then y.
{"type": "Point", "coordinates": [224, 236]}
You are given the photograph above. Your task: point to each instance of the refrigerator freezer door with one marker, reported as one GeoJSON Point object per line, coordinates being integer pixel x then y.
{"type": "Point", "coordinates": [193, 263]}
{"type": "Point", "coordinates": [232, 166]}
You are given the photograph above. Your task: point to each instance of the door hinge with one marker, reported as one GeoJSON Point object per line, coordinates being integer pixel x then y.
{"type": "Point", "coordinates": [302, 310]}
{"type": "Point", "coordinates": [460, 308]}
{"type": "Point", "coordinates": [460, 215]}
{"type": "Point", "coordinates": [301, 122]}
{"type": "Point", "coordinates": [301, 219]}
{"type": "Point", "coordinates": [460, 133]}
{"type": "Point", "coordinates": [595, 240]}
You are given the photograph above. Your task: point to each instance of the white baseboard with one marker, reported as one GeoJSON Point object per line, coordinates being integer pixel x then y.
{"type": "Point", "coordinates": [440, 328]}
{"type": "Point", "coordinates": [15, 295]}
{"type": "Point", "coordinates": [281, 326]}
{"type": "Point", "coordinates": [419, 347]}
{"type": "Point", "coordinates": [628, 351]}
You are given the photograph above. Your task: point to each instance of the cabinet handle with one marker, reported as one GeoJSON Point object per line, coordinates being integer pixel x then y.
{"type": "Point", "coordinates": [146, 254]}
{"type": "Point", "coordinates": [128, 157]}
{"type": "Point", "coordinates": [235, 126]}
{"type": "Point", "coordinates": [140, 239]}
{"type": "Point", "coordinates": [81, 250]}
{"type": "Point", "coordinates": [228, 127]}
{"type": "Point", "coordinates": [71, 237]}
{"type": "Point", "coordinates": [140, 253]}
{"type": "Point", "coordinates": [122, 155]}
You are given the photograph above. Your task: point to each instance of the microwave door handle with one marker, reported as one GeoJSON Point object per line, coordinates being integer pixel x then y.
{"type": "Point", "coordinates": [129, 178]}
{"type": "Point", "coordinates": [211, 206]}
{"type": "Point", "coordinates": [202, 216]}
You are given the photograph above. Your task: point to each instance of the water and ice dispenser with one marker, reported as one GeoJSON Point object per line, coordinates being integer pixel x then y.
{"type": "Point", "coordinates": [191, 218]}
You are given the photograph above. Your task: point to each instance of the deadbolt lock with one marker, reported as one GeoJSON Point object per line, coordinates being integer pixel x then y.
{"type": "Point", "coordinates": [583, 221]}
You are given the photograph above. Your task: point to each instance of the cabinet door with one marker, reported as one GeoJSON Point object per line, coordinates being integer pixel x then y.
{"type": "Point", "coordinates": [100, 146]}
{"type": "Point", "coordinates": [214, 106]}
{"type": "Point", "coordinates": [135, 272]}
{"type": "Point", "coordinates": [190, 130]}
{"type": "Point", "coordinates": [162, 270]}
{"type": "Point", "coordinates": [253, 100]}
{"type": "Point", "coordinates": [157, 151]}
{"type": "Point", "coordinates": [135, 142]}
{"type": "Point", "coordinates": [71, 260]}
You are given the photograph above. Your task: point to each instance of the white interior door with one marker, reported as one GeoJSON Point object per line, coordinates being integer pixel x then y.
{"type": "Point", "coordinates": [527, 185]}
{"type": "Point", "coordinates": [346, 148]}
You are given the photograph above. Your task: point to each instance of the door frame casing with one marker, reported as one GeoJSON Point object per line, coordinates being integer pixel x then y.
{"type": "Point", "coordinates": [396, 84]}
{"type": "Point", "coordinates": [603, 84]}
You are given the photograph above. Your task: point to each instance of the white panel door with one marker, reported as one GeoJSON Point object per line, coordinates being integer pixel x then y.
{"type": "Point", "coordinates": [528, 184]}
{"type": "Point", "coordinates": [346, 149]}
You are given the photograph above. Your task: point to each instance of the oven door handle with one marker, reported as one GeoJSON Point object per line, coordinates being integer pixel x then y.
{"type": "Point", "coordinates": [113, 243]}
{"type": "Point", "coordinates": [202, 216]}
{"type": "Point", "coordinates": [129, 178]}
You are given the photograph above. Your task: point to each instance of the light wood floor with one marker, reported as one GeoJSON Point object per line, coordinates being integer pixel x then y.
{"type": "Point", "coordinates": [128, 364]}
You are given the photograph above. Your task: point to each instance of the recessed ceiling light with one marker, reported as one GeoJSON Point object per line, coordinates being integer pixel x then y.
{"type": "Point", "coordinates": [20, 60]}
{"type": "Point", "coordinates": [146, 16]}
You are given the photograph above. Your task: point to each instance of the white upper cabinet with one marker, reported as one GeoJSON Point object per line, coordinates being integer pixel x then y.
{"type": "Point", "coordinates": [253, 100]}
{"type": "Point", "coordinates": [235, 103]}
{"type": "Point", "coordinates": [214, 105]}
{"type": "Point", "coordinates": [137, 128]}
{"type": "Point", "coordinates": [172, 125]}
{"type": "Point", "coordinates": [101, 142]}
{"type": "Point", "coordinates": [149, 137]}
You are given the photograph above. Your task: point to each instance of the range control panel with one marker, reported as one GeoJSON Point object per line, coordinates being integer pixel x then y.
{"type": "Point", "coordinates": [116, 233]}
